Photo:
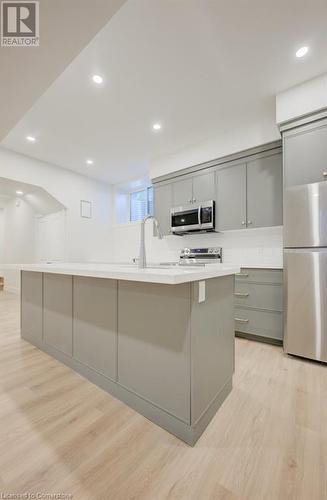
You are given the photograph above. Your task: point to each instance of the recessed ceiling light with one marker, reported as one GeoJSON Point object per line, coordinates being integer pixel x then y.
{"type": "Point", "coordinates": [89, 162]}
{"type": "Point", "coordinates": [19, 192]}
{"type": "Point", "coordinates": [97, 79]}
{"type": "Point", "coordinates": [30, 138]}
{"type": "Point", "coordinates": [156, 126]}
{"type": "Point", "coordinates": [302, 51]}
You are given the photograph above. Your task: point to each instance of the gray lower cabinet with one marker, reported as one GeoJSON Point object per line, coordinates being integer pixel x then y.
{"type": "Point", "coordinates": [305, 153]}
{"type": "Point", "coordinates": [58, 311]}
{"type": "Point", "coordinates": [212, 351]}
{"type": "Point", "coordinates": [163, 202]}
{"type": "Point", "coordinates": [154, 344]}
{"type": "Point", "coordinates": [32, 306]}
{"type": "Point", "coordinates": [95, 324]}
{"type": "Point", "coordinates": [231, 198]}
{"type": "Point", "coordinates": [259, 304]}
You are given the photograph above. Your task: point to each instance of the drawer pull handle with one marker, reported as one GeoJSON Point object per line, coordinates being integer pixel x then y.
{"type": "Point", "coordinates": [238, 294]}
{"type": "Point", "coordinates": [245, 275]}
{"type": "Point", "coordinates": [241, 320]}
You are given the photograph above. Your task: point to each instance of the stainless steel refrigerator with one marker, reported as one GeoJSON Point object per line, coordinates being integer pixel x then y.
{"type": "Point", "coordinates": [305, 264]}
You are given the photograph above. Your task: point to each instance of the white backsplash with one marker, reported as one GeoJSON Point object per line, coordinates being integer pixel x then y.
{"type": "Point", "coordinates": [247, 247]}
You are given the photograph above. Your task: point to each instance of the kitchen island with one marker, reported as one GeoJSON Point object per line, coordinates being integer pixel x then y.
{"type": "Point", "coordinates": [159, 339]}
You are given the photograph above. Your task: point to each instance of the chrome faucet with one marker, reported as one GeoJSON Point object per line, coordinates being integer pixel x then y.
{"type": "Point", "coordinates": [142, 257]}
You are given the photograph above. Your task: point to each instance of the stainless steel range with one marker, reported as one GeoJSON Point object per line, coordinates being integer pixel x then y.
{"type": "Point", "coordinates": [201, 256]}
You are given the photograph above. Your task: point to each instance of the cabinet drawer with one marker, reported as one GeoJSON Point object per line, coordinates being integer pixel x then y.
{"type": "Point", "coordinates": [260, 275]}
{"type": "Point", "coordinates": [261, 323]}
{"type": "Point", "coordinates": [259, 295]}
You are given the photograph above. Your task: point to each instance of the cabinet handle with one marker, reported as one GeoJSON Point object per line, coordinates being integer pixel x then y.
{"type": "Point", "coordinates": [239, 294]}
{"type": "Point", "coordinates": [242, 274]}
{"type": "Point", "coordinates": [249, 222]}
{"type": "Point", "coordinates": [243, 222]}
{"type": "Point", "coordinates": [241, 320]}
{"type": "Point", "coordinates": [325, 174]}
{"type": "Point", "coordinates": [190, 201]}
{"type": "Point", "coordinates": [194, 200]}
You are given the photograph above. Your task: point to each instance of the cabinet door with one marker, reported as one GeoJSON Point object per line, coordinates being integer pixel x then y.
{"type": "Point", "coordinates": [204, 187]}
{"type": "Point", "coordinates": [31, 306]}
{"type": "Point", "coordinates": [265, 192]}
{"type": "Point", "coordinates": [182, 192]}
{"type": "Point", "coordinates": [154, 344]}
{"type": "Point", "coordinates": [231, 198]}
{"type": "Point", "coordinates": [95, 323]}
{"type": "Point", "coordinates": [58, 311]}
{"type": "Point", "coordinates": [163, 202]}
{"type": "Point", "coordinates": [305, 154]}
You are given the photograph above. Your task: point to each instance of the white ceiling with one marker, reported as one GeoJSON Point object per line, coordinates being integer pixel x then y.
{"type": "Point", "coordinates": [26, 73]}
{"type": "Point", "coordinates": [38, 198]}
{"type": "Point", "coordinates": [199, 67]}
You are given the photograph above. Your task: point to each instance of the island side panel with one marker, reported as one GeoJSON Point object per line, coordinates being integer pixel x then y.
{"type": "Point", "coordinates": [212, 340]}
{"type": "Point", "coordinates": [95, 324]}
{"type": "Point", "coordinates": [154, 344]}
{"type": "Point", "coordinates": [31, 306]}
{"type": "Point", "coordinates": [58, 312]}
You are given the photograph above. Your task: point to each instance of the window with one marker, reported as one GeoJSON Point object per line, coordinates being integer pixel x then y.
{"type": "Point", "coordinates": [141, 204]}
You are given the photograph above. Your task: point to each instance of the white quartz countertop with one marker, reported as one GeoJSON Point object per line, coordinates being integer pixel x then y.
{"type": "Point", "coordinates": [130, 272]}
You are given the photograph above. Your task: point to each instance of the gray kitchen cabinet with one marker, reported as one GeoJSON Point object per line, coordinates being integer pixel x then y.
{"type": "Point", "coordinates": [265, 191]}
{"type": "Point", "coordinates": [163, 202]}
{"type": "Point", "coordinates": [231, 198]}
{"type": "Point", "coordinates": [305, 153]}
{"type": "Point", "coordinates": [32, 304]}
{"type": "Point", "coordinates": [204, 187]}
{"type": "Point", "coordinates": [250, 194]}
{"type": "Point", "coordinates": [182, 192]}
{"type": "Point", "coordinates": [247, 188]}
{"type": "Point", "coordinates": [58, 311]}
{"type": "Point", "coordinates": [259, 304]}
{"type": "Point", "coordinates": [95, 346]}
{"type": "Point", "coordinates": [154, 344]}
{"type": "Point", "coordinates": [194, 189]}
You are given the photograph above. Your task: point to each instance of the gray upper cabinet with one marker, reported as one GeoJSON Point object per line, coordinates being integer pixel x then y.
{"type": "Point", "coordinates": [305, 154]}
{"type": "Point", "coordinates": [204, 187]}
{"type": "Point", "coordinates": [163, 202]}
{"type": "Point", "coordinates": [194, 189]}
{"type": "Point", "coordinates": [248, 190]}
{"type": "Point", "coordinates": [231, 198]}
{"type": "Point", "coordinates": [182, 192]}
{"type": "Point", "coordinates": [265, 192]}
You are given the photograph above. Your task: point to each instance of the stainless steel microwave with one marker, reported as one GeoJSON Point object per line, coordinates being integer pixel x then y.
{"type": "Point", "coordinates": [199, 217]}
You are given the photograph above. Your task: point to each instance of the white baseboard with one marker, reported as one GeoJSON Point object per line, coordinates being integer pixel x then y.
{"type": "Point", "coordinates": [12, 289]}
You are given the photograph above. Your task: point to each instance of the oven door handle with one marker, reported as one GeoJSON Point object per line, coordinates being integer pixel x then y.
{"type": "Point", "coordinates": [199, 215]}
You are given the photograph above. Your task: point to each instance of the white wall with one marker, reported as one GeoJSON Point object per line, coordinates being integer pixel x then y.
{"type": "Point", "coordinates": [51, 237]}
{"type": "Point", "coordinates": [87, 239]}
{"type": "Point", "coordinates": [308, 97]}
{"type": "Point", "coordinates": [251, 132]}
{"type": "Point", "coordinates": [84, 239]}
{"type": "Point", "coordinates": [2, 246]}
{"type": "Point", "coordinates": [262, 246]}
{"type": "Point", "coordinates": [19, 230]}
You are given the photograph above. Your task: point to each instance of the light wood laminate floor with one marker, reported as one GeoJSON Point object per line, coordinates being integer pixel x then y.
{"type": "Point", "coordinates": [60, 433]}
